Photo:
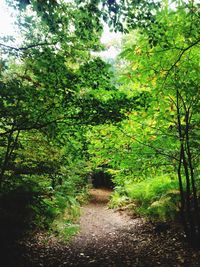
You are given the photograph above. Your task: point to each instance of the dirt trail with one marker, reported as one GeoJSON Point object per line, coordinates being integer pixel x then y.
{"type": "Point", "coordinates": [98, 222]}
{"type": "Point", "coordinates": [114, 239]}
{"type": "Point", "coordinates": [108, 238]}
{"type": "Point", "coordinates": [104, 234]}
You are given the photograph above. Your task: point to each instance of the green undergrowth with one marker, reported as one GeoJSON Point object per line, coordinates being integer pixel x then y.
{"type": "Point", "coordinates": [66, 224]}
{"type": "Point", "coordinates": [31, 207]}
{"type": "Point", "coordinates": [156, 198]}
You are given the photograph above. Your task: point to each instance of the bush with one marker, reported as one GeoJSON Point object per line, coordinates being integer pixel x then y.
{"type": "Point", "coordinates": [33, 205]}
{"type": "Point", "coordinates": [22, 209]}
{"type": "Point", "coordinates": [117, 200]}
{"type": "Point", "coordinates": [156, 198]}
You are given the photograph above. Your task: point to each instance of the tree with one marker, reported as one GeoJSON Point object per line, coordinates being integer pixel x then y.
{"type": "Point", "coordinates": [168, 67]}
{"type": "Point", "coordinates": [52, 89]}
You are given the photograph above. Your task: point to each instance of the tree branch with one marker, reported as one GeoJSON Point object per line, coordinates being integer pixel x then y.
{"type": "Point", "coordinates": [157, 150]}
{"type": "Point", "coordinates": [36, 126]}
{"type": "Point", "coordinates": [27, 47]}
{"type": "Point", "coordinates": [181, 54]}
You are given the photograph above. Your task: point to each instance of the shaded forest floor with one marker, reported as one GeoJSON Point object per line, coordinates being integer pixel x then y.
{"type": "Point", "coordinates": [106, 238]}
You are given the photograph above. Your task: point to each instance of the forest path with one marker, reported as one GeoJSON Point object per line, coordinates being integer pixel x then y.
{"type": "Point", "coordinates": [109, 238]}
{"type": "Point", "coordinates": [105, 234]}
{"type": "Point", "coordinates": [98, 221]}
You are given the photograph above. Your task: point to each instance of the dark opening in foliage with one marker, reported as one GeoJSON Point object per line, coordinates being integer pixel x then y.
{"type": "Point", "coordinates": [102, 179]}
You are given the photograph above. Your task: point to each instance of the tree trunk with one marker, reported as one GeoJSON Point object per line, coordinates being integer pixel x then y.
{"type": "Point", "coordinates": [11, 145]}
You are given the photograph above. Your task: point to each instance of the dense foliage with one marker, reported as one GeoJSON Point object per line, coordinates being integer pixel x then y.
{"type": "Point", "coordinates": [44, 109]}
{"type": "Point", "coordinates": [65, 113]}
{"type": "Point", "coordinates": [158, 67]}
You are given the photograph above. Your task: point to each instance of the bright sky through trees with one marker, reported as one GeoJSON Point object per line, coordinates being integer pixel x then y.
{"type": "Point", "coordinates": [112, 42]}
{"type": "Point", "coordinates": [110, 39]}
{"type": "Point", "coordinates": [6, 20]}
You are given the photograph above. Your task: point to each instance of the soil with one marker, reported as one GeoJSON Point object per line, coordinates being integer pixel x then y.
{"type": "Point", "coordinates": [108, 238]}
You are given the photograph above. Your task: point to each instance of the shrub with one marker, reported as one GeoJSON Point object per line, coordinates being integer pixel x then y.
{"type": "Point", "coordinates": [117, 200]}
{"type": "Point", "coordinates": [156, 198]}
{"type": "Point", "coordinates": [32, 205]}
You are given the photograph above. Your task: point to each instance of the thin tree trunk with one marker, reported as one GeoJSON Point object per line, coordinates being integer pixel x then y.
{"type": "Point", "coordinates": [186, 200]}
{"type": "Point", "coordinates": [182, 208]}
{"type": "Point", "coordinates": [191, 169]}
{"type": "Point", "coordinates": [188, 196]}
{"type": "Point", "coordinates": [9, 150]}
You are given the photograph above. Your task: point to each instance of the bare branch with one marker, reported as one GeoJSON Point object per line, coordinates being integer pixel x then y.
{"type": "Point", "coordinates": [27, 47]}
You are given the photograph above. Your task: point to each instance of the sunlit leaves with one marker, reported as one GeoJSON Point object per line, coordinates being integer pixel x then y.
{"type": "Point", "coordinates": [153, 64]}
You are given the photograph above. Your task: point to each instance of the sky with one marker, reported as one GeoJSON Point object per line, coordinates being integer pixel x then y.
{"type": "Point", "coordinates": [110, 39]}
{"type": "Point", "coordinates": [112, 42]}
{"type": "Point", "coordinates": [6, 21]}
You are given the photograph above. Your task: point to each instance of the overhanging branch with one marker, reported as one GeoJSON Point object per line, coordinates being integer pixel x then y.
{"type": "Point", "coordinates": [27, 47]}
